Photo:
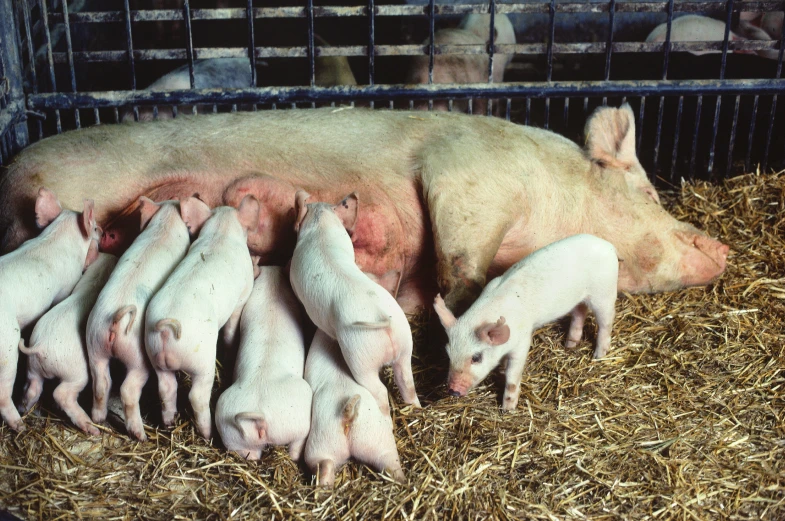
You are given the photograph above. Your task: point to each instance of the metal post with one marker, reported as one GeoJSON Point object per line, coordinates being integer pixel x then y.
{"type": "Point", "coordinates": [12, 78]}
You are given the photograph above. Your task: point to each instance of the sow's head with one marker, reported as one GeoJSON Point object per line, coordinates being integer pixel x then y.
{"type": "Point", "coordinates": [657, 252]}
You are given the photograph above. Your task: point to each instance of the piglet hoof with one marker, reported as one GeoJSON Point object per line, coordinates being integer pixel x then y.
{"type": "Point", "coordinates": [137, 432]}
{"type": "Point", "coordinates": [569, 344]}
{"type": "Point", "coordinates": [399, 476]}
{"type": "Point", "coordinates": [90, 429]}
{"type": "Point", "coordinates": [98, 416]}
{"type": "Point", "coordinates": [600, 352]}
{"type": "Point", "coordinates": [18, 426]}
{"type": "Point", "coordinates": [509, 404]}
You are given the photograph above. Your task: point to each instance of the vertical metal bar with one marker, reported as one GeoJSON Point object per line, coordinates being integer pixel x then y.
{"type": "Point", "coordinates": [765, 162]}
{"type": "Point", "coordinates": [566, 111]}
{"type": "Point", "coordinates": [640, 125]}
{"type": "Point", "coordinates": [491, 50]}
{"type": "Point", "coordinates": [16, 136]}
{"type": "Point", "coordinates": [371, 41]}
{"type": "Point", "coordinates": [50, 60]}
{"type": "Point", "coordinates": [129, 47]}
{"type": "Point", "coordinates": [431, 46]}
{"type": "Point", "coordinates": [249, 14]}
{"type": "Point", "coordinates": [311, 50]}
{"type": "Point", "coordinates": [31, 55]}
{"type": "Point", "coordinates": [695, 136]}
{"type": "Point", "coordinates": [189, 43]}
{"type": "Point", "coordinates": [677, 131]}
{"type": "Point", "coordinates": [97, 117]}
{"type": "Point", "coordinates": [732, 139]}
{"type": "Point", "coordinates": [509, 108]}
{"type": "Point", "coordinates": [728, 17]}
{"type": "Point", "coordinates": [528, 111]}
{"type": "Point", "coordinates": [70, 51]}
{"type": "Point", "coordinates": [714, 130]}
{"type": "Point", "coordinates": [609, 45]}
{"type": "Point", "coordinates": [751, 134]}
{"type": "Point", "coordinates": [658, 135]}
{"type": "Point", "coordinates": [718, 104]}
{"type": "Point", "coordinates": [666, 52]}
{"type": "Point", "coordinates": [549, 70]}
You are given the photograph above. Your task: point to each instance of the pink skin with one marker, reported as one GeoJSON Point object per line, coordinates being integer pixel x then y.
{"type": "Point", "coordinates": [424, 212]}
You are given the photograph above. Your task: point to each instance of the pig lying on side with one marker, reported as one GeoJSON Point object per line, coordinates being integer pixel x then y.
{"type": "Point", "coordinates": [57, 345]}
{"type": "Point", "coordinates": [115, 325]}
{"type": "Point", "coordinates": [470, 68]}
{"type": "Point", "coordinates": [345, 421]}
{"type": "Point", "coordinates": [269, 403]}
{"type": "Point", "coordinates": [342, 301]}
{"type": "Point", "coordinates": [206, 291]}
{"type": "Point", "coordinates": [694, 28]}
{"type": "Point", "coordinates": [762, 26]}
{"type": "Point", "coordinates": [569, 275]}
{"type": "Point", "coordinates": [42, 272]}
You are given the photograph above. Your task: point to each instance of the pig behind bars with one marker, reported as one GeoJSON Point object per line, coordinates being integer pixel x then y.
{"type": "Point", "coordinates": [269, 402]}
{"type": "Point", "coordinates": [448, 199]}
{"type": "Point", "coordinates": [345, 420]}
{"type": "Point", "coordinates": [57, 345]}
{"type": "Point", "coordinates": [205, 292]}
{"type": "Point", "coordinates": [471, 68]}
{"type": "Point", "coordinates": [570, 275]}
{"type": "Point", "coordinates": [42, 272]}
{"type": "Point", "coordinates": [115, 327]}
{"type": "Point", "coordinates": [368, 323]}
{"type": "Point", "coordinates": [694, 28]}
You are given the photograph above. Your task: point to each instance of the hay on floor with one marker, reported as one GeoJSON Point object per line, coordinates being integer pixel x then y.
{"type": "Point", "coordinates": [685, 419]}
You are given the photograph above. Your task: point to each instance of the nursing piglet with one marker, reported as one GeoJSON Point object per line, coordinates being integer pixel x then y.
{"type": "Point", "coordinates": [345, 421]}
{"type": "Point", "coordinates": [206, 291]}
{"type": "Point", "coordinates": [41, 272]}
{"type": "Point", "coordinates": [342, 301]}
{"type": "Point", "coordinates": [57, 345]}
{"type": "Point", "coordinates": [115, 325]}
{"type": "Point", "coordinates": [269, 403]}
{"type": "Point", "coordinates": [569, 275]}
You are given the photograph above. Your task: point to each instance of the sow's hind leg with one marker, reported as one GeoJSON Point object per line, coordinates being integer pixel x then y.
{"type": "Point", "coordinates": [470, 214]}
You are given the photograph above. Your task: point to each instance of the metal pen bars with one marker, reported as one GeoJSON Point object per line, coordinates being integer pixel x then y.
{"type": "Point", "coordinates": [517, 96]}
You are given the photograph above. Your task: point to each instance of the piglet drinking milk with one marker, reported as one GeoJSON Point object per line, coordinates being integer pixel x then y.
{"type": "Point", "coordinates": [269, 402]}
{"type": "Point", "coordinates": [569, 275]}
{"type": "Point", "coordinates": [206, 291]}
{"type": "Point", "coordinates": [57, 345]}
{"type": "Point", "coordinates": [40, 273]}
{"type": "Point", "coordinates": [342, 301]}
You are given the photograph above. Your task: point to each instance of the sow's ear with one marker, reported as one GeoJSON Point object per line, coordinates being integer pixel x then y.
{"type": "Point", "coordinates": [494, 334]}
{"type": "Point", "coordinates": [87, 223]}
{"type": "Point", "coordinates": [300, 208]}
{"type": "Point", "coordinates": [47, 208]}
{"type": "Point", "coordinates": [252, 426]}
{"type": "Point", "coordinates": [610, 137]}
{"type": "Point", "coordinates": [194, 213]}
{"type": "Point", "coordinates": [248, 213]}
{"type": "Point", "coordinates": [445, 315]}
{"type": "Point", "coordinates": [147, 208]}
{"type": "Point", "coordinates": [346, 211]}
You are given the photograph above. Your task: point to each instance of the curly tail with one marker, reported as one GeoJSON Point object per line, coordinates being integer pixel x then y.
{"type": "Point", "coordinates": [118, 316]}
{"type": "Point", "coordinates": [349, 413]}
{"type": "Point", "coordinates": [29, 351]}
{"type": "Point", "coordinates": [171, 323]}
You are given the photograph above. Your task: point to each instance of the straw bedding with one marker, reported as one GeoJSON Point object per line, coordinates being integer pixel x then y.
{"type": "Point", "coordinates": [685, 419]}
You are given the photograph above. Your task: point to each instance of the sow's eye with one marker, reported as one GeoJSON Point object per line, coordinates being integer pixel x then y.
{"type": "Point", "coordinates": [477, 358]}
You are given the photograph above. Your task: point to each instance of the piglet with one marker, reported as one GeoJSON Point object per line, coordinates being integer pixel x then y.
{"type": "Point", "coordinates": [345, 420]}
{"type": "Point", "coordinates": [57, 345]}
{"type": "Point", "coordinates": [342, 301]}
{"type": "Point", "coordinates": [269, 403]}
{"type": "Point", "coordinates": [42, 272]}
{"type": "Point", "coordinates": [569, 275]}
{"type": "Point", "coordinates": [206, 291]}
{"type": "Point", "coordinates": [115, 325]}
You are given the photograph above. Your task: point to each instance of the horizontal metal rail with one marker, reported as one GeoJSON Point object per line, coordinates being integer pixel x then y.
{"type": "Point", "coordinates": [79, 100]}
{"type": "Point", "coordinates": [155, 15]}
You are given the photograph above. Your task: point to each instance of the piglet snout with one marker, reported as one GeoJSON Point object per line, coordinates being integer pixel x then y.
{"type": "Point", "coordinates": [453, 392]}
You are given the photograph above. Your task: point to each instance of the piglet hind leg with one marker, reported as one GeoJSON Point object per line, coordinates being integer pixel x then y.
{"type": "Point", "coordinates": [33, 389]}
{"type": "Point", "coordinates": [325, 473]}
{"type": "Point", "coordinates": [130, 394]}
{"type": "Point", "coordinates": [369, 379]}
{"type": "Point", "coordinates": [516, 361]}
{"type": "Point", "coordinates": [9, 356]}
{"type": "Point", "coordinates": [102, 383]}
{"type": "Point", "coordinates": [201, 388]}
{"type": "Point", "coordinates": [66, 395]}
{"type": "Point", "coordinates": [575, 333]}
{"type": "Point", "coordinates": [605, 312]}
{"type": "Point", "coordinates": [167, 391]}
{"type": "Point", "coordinates": [404, 379]}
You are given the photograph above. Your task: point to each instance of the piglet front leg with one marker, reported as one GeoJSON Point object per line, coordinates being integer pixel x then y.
{"type": "Point", "coordinates": [516, 361]}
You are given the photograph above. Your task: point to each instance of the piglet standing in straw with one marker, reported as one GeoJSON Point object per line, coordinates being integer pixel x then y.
{"type": "Point", "coordinates": [570, 275]}
{"type": "Point", "coordinates": [206, 291]}
{"type": "Point", "coordinates": [57, 345]}
{"type": "Point", "coordinates": [41, 272]}
{"type": "Point", "coordinates": [345, 421]}
{"type": "Point", "coordinates": [115, 327]}
{"type": "Point", "coordinates": [342, 301]}
{"type": "Point", "coordinates": [269, 402]}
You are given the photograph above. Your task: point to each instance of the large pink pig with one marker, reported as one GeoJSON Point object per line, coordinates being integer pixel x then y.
{"type": "Point", "coordinates": [42, 272]}
{"type": "Point", "coordinates": [447, 198]}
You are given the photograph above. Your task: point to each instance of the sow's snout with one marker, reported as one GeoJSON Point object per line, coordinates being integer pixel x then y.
{"type": "Point", "coordinates": [704, 261]}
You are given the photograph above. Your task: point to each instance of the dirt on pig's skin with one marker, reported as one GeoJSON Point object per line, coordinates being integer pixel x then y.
{"type": "Point", "coordinates": [431, 186]}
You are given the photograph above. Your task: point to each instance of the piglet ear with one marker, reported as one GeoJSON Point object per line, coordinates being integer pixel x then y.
{"type": "Point", "coordinates": [300, 208]}
{"type": "Point", "coordinates": [257, 270]}
{"type": "Point", "coordinates": [252, 426]}
{"type": "Point", "coordinates": [248, 213]}
{"type": "Point", "coordinates": [88, 218]}
{"type": "Point", "coordinates": [147, 208]}
{"type": "Point", "coordinates": [346, 211]}
{"type": "Point", "coordinates": [494, 334]}
{"type": "Point", "coordinates": [92, 254]}
{"type": "Point", "coordinates": [445, 315]}
{"type": "Point", "coordinates": [194, 213]}
{"type": "Point", "coordinates": [47, 208]}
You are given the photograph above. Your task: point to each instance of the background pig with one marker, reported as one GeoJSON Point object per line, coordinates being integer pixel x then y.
{"type": "Point", "coordinates": [572, 274]}
{"type": "Point", "coordinates": [205, 292]}
{"type": "Point", "coordinates": [269, 403]}
{"type": "Point", "coordinates": [762, 26]}
{"type": "Point", "coordinates": [694, 28]}
{"type": "Point", "coordinates": [115, 325]}
{"type": "Point", "coordinates": [57, 345]}
{"type": "Point", "coordinates": [478, 194]}
{"type": "Point", "coordinates": [474, 29]}
{"type": "Point", "coordinates": [42, 272]}
{"type": "Point", "coordinates": [370, 327]}
{"type": "Point", "coordinates": [345, 421]}
{"type": "Point", "coordinates": [332, 70]}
